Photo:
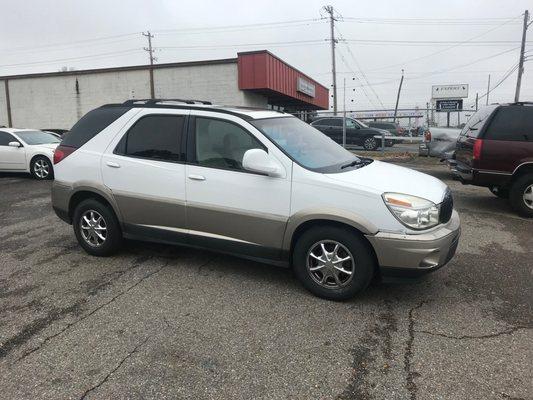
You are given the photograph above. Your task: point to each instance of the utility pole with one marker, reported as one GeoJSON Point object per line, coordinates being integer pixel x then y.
{"type": "Point", "coordinates": [398, 98]}
{"type": "Point", "coordinates": [488, 92]}
{"type": "Point", "coordinates": [344, 115]}
{"type": "Point", "coordinates": [332, 19]}
{"type": "Point", "coordinates": [150, 51]}
{"type": "Point", "coordinates": [477, 99]}
{"type": "Point", "coordinates": [521, 61]}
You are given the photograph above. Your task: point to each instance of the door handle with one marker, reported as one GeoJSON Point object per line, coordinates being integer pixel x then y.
{"type": "Point", "coordinates": [112, 164]}
{"type": "Point", "coordinates": [197, 177]}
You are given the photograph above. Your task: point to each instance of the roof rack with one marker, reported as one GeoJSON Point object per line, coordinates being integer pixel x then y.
{"type": "Point", "coordinates": [149, 102]}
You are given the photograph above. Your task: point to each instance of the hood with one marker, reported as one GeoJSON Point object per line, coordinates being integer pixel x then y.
{"type": "Point", "coordinates": [382, 177]}
{"type": "Point", "coordinates": [49, 146]}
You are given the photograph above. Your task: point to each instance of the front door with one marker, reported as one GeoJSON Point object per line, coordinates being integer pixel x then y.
{"type": "Point", "coordinates": [229, 208]}
{"type": "Point", "coordinates": [11, 158]}
{"type": "Point", "coordinates": [145, 171]}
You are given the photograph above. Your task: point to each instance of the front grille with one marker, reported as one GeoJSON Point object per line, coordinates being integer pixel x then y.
{"type": "Point", "coordinates": [446, 207]}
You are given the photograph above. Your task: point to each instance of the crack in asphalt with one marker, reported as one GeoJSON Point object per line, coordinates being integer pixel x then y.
{"type": "Point", "coordinates": [410, 374]}
{"type": "Point", "coordinates": [70, 325]}
{"type": "Point", "coordinates": [487, 336]}
{"type": "Point", "coordinates": [99, 384]}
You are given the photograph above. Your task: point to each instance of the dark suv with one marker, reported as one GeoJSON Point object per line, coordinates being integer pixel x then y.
{"type": "Point", "coordinates": [357, 133]}
{"type": "Point", "coordinates": [495, 150]}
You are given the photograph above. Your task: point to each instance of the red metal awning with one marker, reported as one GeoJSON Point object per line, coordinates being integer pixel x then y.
{"type": "Point", "coordinates": [263, 72]}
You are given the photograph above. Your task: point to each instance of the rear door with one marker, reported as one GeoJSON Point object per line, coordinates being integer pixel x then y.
{"type": "Point", "coordinates": [508, 139]}
{"type": "Point", "coordinates": [144, 166]}
{"type": "Point", "coordinates": [11, 158]}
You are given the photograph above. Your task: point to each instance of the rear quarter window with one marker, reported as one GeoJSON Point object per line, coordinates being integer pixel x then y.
{"type": "Point", "coordinates": [91, 124]}
{"type": "Point", "coordinates": [514, 123]}
{"type": "Point", "coordinates": [476, 122]}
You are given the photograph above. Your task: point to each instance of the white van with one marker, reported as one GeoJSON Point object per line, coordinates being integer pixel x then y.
{"type": "Point", "coordinates": [255, 183]}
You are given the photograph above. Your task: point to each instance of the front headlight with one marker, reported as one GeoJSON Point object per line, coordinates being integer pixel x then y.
{"type": "Point", "coordinates": [414, 212]}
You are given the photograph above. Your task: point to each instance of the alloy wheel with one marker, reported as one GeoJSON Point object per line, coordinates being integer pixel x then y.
{"type": "Point", "coordinates": [330, 264]}
{"type": "Point", "coordinates": [41, 168]}
{"type": "Point", "coordinates": [528, 196]}
{"type": "Point", "coordinates": [93, 228]}
{"type": "Point", "coordinates": [370, 143]}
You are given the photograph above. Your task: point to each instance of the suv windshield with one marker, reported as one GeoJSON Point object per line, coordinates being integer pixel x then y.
{"type": "Point", "coordinates": [38, 137]}
{"type": "Point", "coordinates": [306, 145]}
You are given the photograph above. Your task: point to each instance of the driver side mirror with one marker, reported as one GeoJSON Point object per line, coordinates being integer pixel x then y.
{"type": "Point", "coordinates": [258, 160]}
{"type": "Point", "coordinates": [14, 144]}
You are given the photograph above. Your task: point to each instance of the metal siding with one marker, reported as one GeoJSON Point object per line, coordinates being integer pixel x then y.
{"type": "Point", "coordinates": [263, 71]}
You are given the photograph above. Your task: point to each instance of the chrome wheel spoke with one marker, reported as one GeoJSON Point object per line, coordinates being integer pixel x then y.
{"type": "Point", "coordinates": [93, 228]}
{"type": "Point", "coordinates": [317, 268]}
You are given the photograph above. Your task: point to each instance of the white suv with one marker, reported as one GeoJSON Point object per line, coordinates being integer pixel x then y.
{"type": "Point", "coordinates": [256, 183]}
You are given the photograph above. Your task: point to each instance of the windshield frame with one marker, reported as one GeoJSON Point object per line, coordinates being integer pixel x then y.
{"type": "Point", "coordinates": [20, 136]}
{"type": "Point", "coordinates": [330, 169]}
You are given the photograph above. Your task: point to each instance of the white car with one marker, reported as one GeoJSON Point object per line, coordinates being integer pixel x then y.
{"type": "Point", "coordinates": [27, 150]}
{"type": "Point", "coordinates": [260, 184]}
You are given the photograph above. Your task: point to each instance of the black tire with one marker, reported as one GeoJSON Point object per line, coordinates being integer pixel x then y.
{"type": "Point", "coordinates": [41, 168]}
{"type": "Point", "coordinates": [113, 234]}
{"type": "Point", "coordinates": [502, 193]}
{"type": "Point", "coordinates": [370, 143]}
{"type": "Point", "coordinates": [522, 187]}
{"type": "Point", "coordinates": [362, 269]}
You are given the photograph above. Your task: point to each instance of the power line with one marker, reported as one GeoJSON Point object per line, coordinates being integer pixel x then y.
{"type": "Point", "coordinates": [356, 77]}
{"type": "Point", "coordinates": [294, 42]}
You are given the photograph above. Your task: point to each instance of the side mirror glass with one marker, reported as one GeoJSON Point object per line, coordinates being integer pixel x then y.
{"type": "Point", "coordinates": [14, 144]}
{"type": "Point", "coordinates": [258, 160]}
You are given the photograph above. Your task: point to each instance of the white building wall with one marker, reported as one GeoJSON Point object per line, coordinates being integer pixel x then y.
{"type": "Point", "coordinates": [56, 102]}
{"type": "Point", "coordinates": [217, 83]}
{"type": "Point", "coordinates": [3, 104]}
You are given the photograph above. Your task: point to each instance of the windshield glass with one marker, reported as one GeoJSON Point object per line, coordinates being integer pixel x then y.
{"type": "Point", "coordinates": [304, 144]}
{"type": "Point", "coordinates": [38, 137]}
{"type": "Point", "coordinates": [361, 123]}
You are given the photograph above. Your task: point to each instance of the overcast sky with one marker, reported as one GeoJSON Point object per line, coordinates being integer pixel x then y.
{"type": "Point", "coordinates": [43, 36]}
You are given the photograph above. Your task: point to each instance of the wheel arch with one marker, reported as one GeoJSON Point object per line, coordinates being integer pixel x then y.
{"type": "Point", "coordinates": [83, 194]}
{"type": "Point", "coordinates": [524, 168]}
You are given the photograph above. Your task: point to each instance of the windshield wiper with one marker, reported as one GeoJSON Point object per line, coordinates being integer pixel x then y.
{"type": "Point", "coordinates": [353, 163]}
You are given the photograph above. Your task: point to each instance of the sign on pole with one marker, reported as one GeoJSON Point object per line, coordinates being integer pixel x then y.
{"type": "Point", "coordinates": [449, 91]}
{"type": "Point", "coordinates": [449, 105]}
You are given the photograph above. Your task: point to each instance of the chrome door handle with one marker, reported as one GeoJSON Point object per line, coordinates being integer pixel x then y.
{"type": "Point", "coordinates": [112, 164]}
{"type": "Point", "coordinates": [197, 177]}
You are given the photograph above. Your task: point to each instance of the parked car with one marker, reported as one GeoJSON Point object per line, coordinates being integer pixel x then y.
{"type": "Point", "coordinates": [260, 184]}
{"type": "Point", "coordinates": [357, 133]}
{"type": "Point", "coordinates": [495, 149]}
{"type": "Point", "coordinates": [394, 128]}
{"type": "Point", "coordinates": [439, 142]}
{"type": "Point", "coordinates": [26, 150]}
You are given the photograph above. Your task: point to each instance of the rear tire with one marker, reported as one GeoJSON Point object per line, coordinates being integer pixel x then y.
{"type": "Point", "coordinates": [96, 228]}
{"type": "Point", "coordinates": [339, 244]}
{"type": "Point", "coordinates": [41, 168]}
{"type": "Point", "coordinates": [521, 195]}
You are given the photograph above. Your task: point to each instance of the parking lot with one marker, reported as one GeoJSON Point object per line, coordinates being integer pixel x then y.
{"type": "Point", "coordinates": [168, 322]}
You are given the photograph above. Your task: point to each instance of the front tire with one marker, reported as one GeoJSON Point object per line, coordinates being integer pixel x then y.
{"type": "Point", "coordinates": [370, 143]}
{"type": "Point", "coordinates": [521, 195]}
{"type": "Point", "coordinates": [332, 262]}
{"type": "Point", "coordinates": [96, 228]}
{"type": "Point", "coordinates": [41, 168]}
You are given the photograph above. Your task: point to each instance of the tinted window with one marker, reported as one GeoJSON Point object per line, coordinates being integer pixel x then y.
{"type": "Point", "coordinates": [336, 122]}
{"type": "Point", "coordinates": [38, 137]}
{"type": "Point", "coordinates": [324, 121]}
{"type": "Point", "coordinates": [5, 138]}
{"type": "Point", "coordinates": [511, 123]}
{"type": "Point", "coordinates": [156, 137]}
{"type": "Point", "coordinates": [221, 144]}
{"type": "Point", "coordinates": [476, 121]}
{"type": "Point", "coordinates": [91, 124]}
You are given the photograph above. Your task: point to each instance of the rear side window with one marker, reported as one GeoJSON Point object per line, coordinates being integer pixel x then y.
{"type": "Point", "coordinates": [156, 137]}
{"type": "Point", "coordinates": [91, 124]}
{"type": "Point", "coordinates": [513, 123]}
{"type": "Point", "coordinates": [324, 121]}
{"type": "Point", "coordinates": [335, 122]}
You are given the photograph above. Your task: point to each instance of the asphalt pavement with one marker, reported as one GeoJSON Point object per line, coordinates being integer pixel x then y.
{"type": "Point", "coordinates": [173, 323]}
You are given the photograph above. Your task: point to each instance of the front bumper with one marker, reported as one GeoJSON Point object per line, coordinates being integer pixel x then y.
{"type": "Point", "coordinates": [400, 254]}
